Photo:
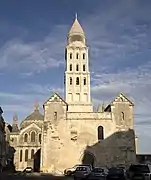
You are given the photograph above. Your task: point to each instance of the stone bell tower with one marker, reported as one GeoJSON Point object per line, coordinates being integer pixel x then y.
{"type": "Point", "coordinates": [77, 75]}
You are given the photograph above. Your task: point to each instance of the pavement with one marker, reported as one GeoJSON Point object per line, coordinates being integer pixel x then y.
{"type": "Point", "coordinates": [32, 176]}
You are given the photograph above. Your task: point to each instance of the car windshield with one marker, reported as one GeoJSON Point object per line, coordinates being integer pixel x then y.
{"type": "Point", "coordinates": [139, 168]}
{"type": "Point", "coordinates": [99, 170]}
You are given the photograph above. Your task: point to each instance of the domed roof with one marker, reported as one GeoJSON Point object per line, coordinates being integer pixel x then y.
{"type": "Point", "coordinates": [76, 28]}
{"type": "Point", "coordinates": [36, 115]}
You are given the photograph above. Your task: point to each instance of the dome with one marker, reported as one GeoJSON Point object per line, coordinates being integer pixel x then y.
{"type": "Point", "coordinates": [35, 116]}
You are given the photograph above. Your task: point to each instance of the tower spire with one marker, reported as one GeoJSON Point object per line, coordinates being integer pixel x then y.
{"type": "Point", "coordinates": [36, 106]}
{"type": "Point", "coordinates": [15, 123]}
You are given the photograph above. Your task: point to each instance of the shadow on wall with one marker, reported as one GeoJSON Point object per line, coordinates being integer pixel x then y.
{"type": "Point", "coordinates": [37, 161]}
{"type": "Point", "coordinates": [116, 150]}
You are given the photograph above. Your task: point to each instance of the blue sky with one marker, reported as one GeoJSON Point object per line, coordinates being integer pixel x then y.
{"type": "Point", "coordinates": [32, 41]}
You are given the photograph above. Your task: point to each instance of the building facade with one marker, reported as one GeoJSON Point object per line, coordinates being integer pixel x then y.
{"type": "Point", "coordinates": [71, 132]}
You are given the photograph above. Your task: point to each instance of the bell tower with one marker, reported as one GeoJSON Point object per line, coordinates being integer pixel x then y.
{"type": "Point", "coordinates": [77, 75]}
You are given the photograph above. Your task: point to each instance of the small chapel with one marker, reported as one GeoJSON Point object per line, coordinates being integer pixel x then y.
{"type": "Point", "coordinates": [70, 132]}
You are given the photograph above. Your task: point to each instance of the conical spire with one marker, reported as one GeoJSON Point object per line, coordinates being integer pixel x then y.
{"type": "Point", "coordinates": [103, 107]}
{"type": "Point", "coordinates": [15, 123]}
{"type": "Point", "coordinates": [76, 28]}
{"type": "Point", "coordinates": [15, 119]}
{"type": "Point", "coordinates": [36, 106]}
{"type": "Point", "coordinates": [99, 108]}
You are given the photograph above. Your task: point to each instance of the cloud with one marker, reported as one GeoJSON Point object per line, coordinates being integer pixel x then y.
{"type": "Point", "coordinates": [29, 57]}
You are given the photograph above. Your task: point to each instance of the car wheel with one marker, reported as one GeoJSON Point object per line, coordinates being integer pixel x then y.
{"type": "Point", "coordinates": [68, 173]}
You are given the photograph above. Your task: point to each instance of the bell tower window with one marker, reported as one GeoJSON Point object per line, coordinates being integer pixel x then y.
{"type": "Point", "coordinates": [70, 55]}
{"type": "Point", "coordinates": [84, 81]}
{"type": "Point", "coordinates": [83, 67]}
{"type": "Point", "coordinates": [70, 67]}
{"type": "Point", "coordinates": [83, 55]}
{"type": "Point", "coordinates": [70, 80]}
{"type": "Point", "coordinates": [77, 56]}
{"type": "Point", "coordinates": [77, 67]}
{"type": "Point", "coordinates": [77, 81]}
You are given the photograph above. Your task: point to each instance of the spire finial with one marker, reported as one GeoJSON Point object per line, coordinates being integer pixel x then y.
{"type": "Point", "coordinates": [15, 118]}
{"type": "Point", "coordinates": [76, 16]}
{"type": "Point", "coordinates": [36, 106]}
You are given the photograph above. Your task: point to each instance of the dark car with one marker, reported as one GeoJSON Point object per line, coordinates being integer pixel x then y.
{"type": "Point", "coordinates": [116, 174]}
{"type": "Point", "coordinates": [82, 172]}
{"type": "Point", "coordinates": [97, 173]}
{"type": "Point", "coordinates": [139, 172]}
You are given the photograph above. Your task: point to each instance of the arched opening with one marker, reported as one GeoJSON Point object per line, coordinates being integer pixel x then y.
{"type": "Point", "coordinates": [70, 67]}
{"type": "Point", "coordinates": [100, 133]}
{"type": "Point", "coordinates": [70, 55]}
{"type": "Point", "coordinates": [70, 80]}
{"type": "Point", "coordinates": [84, 81]}
{"type": "Point", "coordinates": [122, 116]}
{"type": "Point", "coordinates": [37, 161]}
{"type": "Point", "coordinates": [77, 67]}
{"type": "Point", "coordinates": [25, 137]}
{"type": "Point", "coordinates": [77, 81]}
{"type": "Point", "coordinates": [26, 155]}
{"type": "Point", "coordinates": [32, 154]}
{"type": "Point", "coordinates": [33, 136]}
{"type": "Point", "coordinates": [40, 138]}
{"type": "Point", "coordinates": [88, 158]}
{"type": "Point", "coordinates": [21, 155]}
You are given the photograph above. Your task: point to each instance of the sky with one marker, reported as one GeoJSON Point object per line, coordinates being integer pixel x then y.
{"type": "Point", "coordinates": [33, 36]}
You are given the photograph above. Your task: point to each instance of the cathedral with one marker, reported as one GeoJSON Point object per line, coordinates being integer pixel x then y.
{"type": "Point", "coordinates": [70, 131]}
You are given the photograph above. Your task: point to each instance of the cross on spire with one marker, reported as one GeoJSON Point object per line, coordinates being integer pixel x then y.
{"type": "Point", "coordinates": [76, 16]}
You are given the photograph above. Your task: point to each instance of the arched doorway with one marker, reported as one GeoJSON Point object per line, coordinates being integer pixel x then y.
{"type": "Point", "coordinates": [88, 158]}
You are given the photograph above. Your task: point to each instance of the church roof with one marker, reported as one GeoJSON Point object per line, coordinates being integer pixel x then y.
{"type": "Point", "coordinates": [76, 28]}
{"type": "Point", "coordinates": [36, 115]}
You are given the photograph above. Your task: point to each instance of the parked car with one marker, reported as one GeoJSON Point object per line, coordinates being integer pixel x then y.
{"type": "Point", "coordinates": [139, 171]}
{"type": "Point", "coordinates": [70, 171]}
{"type": "Point", "coordinates": [116, 173]}
{"type": "Point", "coordinates": [97, 173]}
{"type": "Point", "coordinates": [81, 172]}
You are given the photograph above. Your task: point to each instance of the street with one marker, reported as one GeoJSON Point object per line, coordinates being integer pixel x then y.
{"type": "Point", "coordinates": [36, 176]}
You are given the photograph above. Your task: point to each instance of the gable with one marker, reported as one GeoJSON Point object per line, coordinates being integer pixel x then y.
{"type": "Point", "coordinates": [122, 98]}
{"type": "Point", "coordinates": [55, 98]}
{"type": "Point", "coordinates": [33, 125]}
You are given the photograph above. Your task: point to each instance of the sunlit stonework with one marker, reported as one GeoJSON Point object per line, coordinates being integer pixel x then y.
{"type": "Point", "coordinates": [70, 129]}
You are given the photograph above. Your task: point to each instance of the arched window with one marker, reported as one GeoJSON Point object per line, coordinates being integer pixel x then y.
{"type": "Point", "coordinates": [100, 133]}
{"type": "Point", "coordinates": [77, 81]}
{"type": "Point", "coordinates": [25, 137]}
{"type": "Point", "coordinates": [55, 115]}
{"type": "Point", "coordinates": [77, 67]}
{"type": "Point", "coordinates": [21, 155]}
{"type": "Point", "coordinates": [26, 155]}
{"type": "Point", "coordinates": [40, 138]}
{"type": "Point", "coordinates": [122, 116]}
{"type": "Point", "coordinates": [33, 136]}
{"type": "Point", "coordinates": [77, 56]}
{"type": "Point", "coordinates": [70, 67]}
{"type": "Point", "coordinates": [70, 80]}
{"type": "Point", "coordinates": [84, 81]}
{"type": "Point", "coordinates": [83, 55]}
{"type": "Point", "coordinates": [32, 154]}
{"type": "Point", "coordinates": [83, 67]}
{"type": "Point", "coordinates": [70, 55]}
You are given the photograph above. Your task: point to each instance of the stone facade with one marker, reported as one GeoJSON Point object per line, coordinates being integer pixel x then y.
{"type": "Point", "coordinates": [70, 131]}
